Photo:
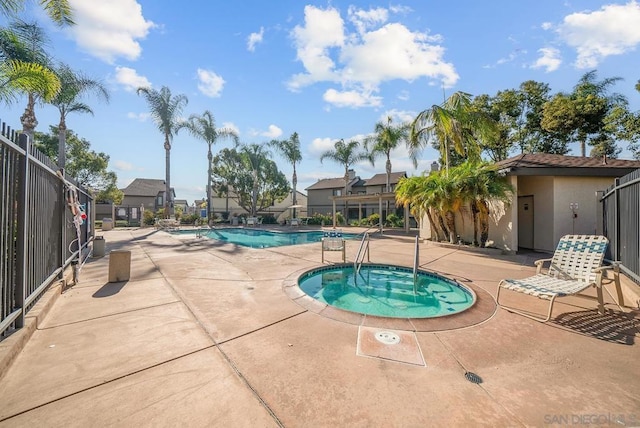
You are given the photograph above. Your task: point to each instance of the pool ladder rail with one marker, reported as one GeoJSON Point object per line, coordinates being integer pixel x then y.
{"type": "Point", "coordinates": [416, 264]}
{"type": "Point", "coordinates": [362, 250]}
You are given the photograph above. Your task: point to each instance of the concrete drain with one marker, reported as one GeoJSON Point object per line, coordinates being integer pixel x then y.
{"type": "Point", "coordinates": [387, 337]}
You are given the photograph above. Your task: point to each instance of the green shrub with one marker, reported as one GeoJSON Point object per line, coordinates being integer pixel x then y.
{"type": "Point", "coordinates": [394, 220]}
{"type": "Point", "coordinates": [269, 219]}
{"type": "Point", "coordinates": [148, 218]}
{"type": "Point", "coordinates": [373, 219]}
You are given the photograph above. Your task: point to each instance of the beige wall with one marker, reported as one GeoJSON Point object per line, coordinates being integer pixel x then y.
{"type": "Point", "coordinates": [580, 190]}
{"type": "Point", "coordinates": [542, 189]}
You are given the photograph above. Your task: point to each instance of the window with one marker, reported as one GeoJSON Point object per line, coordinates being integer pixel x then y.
{"type": "Point", "coordinates": [337, 192]}
{"type": "Point", "coordinates": [159, 201]}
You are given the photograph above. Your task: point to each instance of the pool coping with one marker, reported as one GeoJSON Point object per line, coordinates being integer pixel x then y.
{"type": "Point", "coordinates": [483, 309]}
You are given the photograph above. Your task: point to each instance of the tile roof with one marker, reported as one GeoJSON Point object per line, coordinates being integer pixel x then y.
{"type": "Point", "coordinates": [381, 179]}
{"type": "Point", "coordinates": [550, 164]}
{"type": "Point", "coordinates": [328, 183]}
{"type": "Point", "coordinates": [144, 187]}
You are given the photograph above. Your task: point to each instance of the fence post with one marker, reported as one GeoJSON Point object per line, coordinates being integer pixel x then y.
{"type": "Point", "coordinates": [616, 202]}
{"type": "Point", "coordinates": [23, 230]}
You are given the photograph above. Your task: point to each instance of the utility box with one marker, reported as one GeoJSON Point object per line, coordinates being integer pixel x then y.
{"type": "Point", "coordinates": [98, 246]}
{"type": "Point", "coordinates": [107, 223]}
{"type": "Point", "coordinates": [119, 265]}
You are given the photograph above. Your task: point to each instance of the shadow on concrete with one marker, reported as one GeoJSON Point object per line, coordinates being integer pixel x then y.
{"type": "Point", "coordinates": [109, 289]}
{"type": "Point", "coordinates": [614, 327]}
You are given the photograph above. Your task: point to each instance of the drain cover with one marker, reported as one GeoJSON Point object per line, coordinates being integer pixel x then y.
{"type": "Point", "coordinates": [472, 377]}
{"type": "Point", "coordinates": [387, 337]}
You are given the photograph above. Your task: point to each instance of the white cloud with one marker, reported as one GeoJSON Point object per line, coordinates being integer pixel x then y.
{"type": "Point", "coordinates": [404, 95]}
{"type": "Point", "coordinates": [130, 79]}
{"type": "Point", "coordinates": [398, 116]}
{"type": "Point", "coordinates": [365, 19]}
{"type": "Point", "coordinates": [254, 39]}
{"type": "Point", "coordinates": [612, 30]}
{"type": "Point", "coordinates": [546, 25]}
{"type": "Point", "coordinates": [210, 84]}
{"type": "Point", "coordinates": [272, 132]}
{"type": "Point", "coordinates": [121, 165]}
{"type": "Point", "coordinates": [109, 30]}
{"type": "Point", "coordinates": [549, 59]}
{"type": "Point", "coordinates": [360, 61]}
{"type": "Point", "coordinates": [320, 145]}
{"type": "Point", "coordinates": [351, 98]}
{"type": "Point", "coordinates": [138, 116]}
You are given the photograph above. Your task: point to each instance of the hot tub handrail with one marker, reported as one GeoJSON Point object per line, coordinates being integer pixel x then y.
{"type": "Point", "coordinates": [416, 262]}
{"type": "Point", "coordinates": [364, 247]}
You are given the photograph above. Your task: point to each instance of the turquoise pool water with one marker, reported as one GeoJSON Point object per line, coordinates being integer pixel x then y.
{"type": "Point", "coordinates": [256, 238]}
{"type": "Point", "coordinates": [386, 290]}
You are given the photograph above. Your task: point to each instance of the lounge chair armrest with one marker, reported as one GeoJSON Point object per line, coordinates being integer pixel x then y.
{"type": "Point", "coordinates": [539, 264]}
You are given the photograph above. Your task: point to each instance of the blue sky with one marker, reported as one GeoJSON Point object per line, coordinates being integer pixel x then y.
{"type": "Point", "coordinates": [327, 70]}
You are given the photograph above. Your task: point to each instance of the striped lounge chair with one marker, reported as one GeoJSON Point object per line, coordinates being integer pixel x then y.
{"type": "Point", "coordinates": [575, 266]}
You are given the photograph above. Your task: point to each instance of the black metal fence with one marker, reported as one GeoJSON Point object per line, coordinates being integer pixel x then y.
{"type": "Point", "coordinates": [38, 239]}
{"type": "Point", "coordinates": [621, 218]}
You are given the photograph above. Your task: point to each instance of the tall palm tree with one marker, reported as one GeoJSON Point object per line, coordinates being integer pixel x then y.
{"type": "Point", "coordinates": [454, 125]}
{"type": "Point", "coordinates": [204, 128]}
{"type": "Point", "coordinates": [255, 154]}
{"type": "Point", "coordinates": [290, 150]}
{"type": "Point", "coordinates": [386, 138]}
{"type": "Point", "coordinates": [74, 85]}
{"type": "Point", "coordinates": [345, 154]}
{"type": "Point", "coordinates": [165, 111]}
{"type": "Point", "coordinates": [59, 11]}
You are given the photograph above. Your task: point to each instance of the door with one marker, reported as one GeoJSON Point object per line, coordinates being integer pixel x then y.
{"type": "Point", "coordinates": [525, 222]}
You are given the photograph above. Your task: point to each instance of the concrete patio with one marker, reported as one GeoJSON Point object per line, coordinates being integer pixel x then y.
{"type": "Point", "coordinates": [211, 334]}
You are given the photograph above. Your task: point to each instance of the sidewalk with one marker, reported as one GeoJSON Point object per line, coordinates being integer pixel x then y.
{"type": "Point", "coordinates": [203, 334]}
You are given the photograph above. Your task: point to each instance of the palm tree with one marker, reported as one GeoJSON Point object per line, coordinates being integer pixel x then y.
{"type": "Point", "coordinates": [386, 138]}
{"type": "Point", "coordinates": [255, 154]}
{"type": "Point", "coordinates": [165, 111]}
{"type": "Point", "coordinates": [454, 125]}
{"type": "Point", "coordinates": [73, 86]}
{"type": "Point", "coordinates": [59, 11]}
{"type": "Point", "coordinates": [26, 68]}
{"type": "Point", "coordinates": [480, 183]}
{"type": "Point", "coordinates": [19, 76]}
{"type": "Point", "coordinates": [204, 128]}
{"type": "Point", "coordinates": [345, 154]}
{"type": "Point", "coordinates": [26, 42]}
{"type": "Point", "coordinates": [290, 150]}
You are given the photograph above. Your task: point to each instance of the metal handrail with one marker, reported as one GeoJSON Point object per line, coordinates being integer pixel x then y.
{"type": "Point", "coordinates": [364, 246]}
{"type": "Point", "coordinates": [416, 262]}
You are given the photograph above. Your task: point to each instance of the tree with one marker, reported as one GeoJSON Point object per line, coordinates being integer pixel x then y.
{"type": "Point", "coordinates": [345, 154]}
{"type": "Point", "coordinates": [478, 184]}
{"type": "Point", "coordinates": [165, 111]}
{"type": "Point", "coordinates": [88, 167]}
{"type": "Point", "coordinates": [453, 126]}
{"type": "Point", "coordinates": [582, 115]}
{"type": "Point", "coordinates": [74, 85]}
{"type": "Point", "coordinates": [59, 11]}
{"type": "Point", "coordinates": [23, 77]}
{"type": "Point", "coordinates": [249, 177]}
{"type": "Point", "coordinates": [35, 40]}
{"type": "Point", "coordinates": [204, 128]}
{"type": "Point", "coordinates": [386, 138]}
{"type": "Point", "coordinates": [290, 150]}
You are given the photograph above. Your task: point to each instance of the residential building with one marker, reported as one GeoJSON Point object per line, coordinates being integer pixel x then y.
{"type": "Point", "coordinates": [146, 192]}
{"type": "Point", "coordinates": [280, 210]}
{"type": "Point", "coordinates": [320, 194]}
{"type": "Point", "coordinates": [554, 195]}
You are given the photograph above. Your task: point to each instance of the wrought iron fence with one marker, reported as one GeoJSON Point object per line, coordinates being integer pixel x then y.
{"type": "Point", "coordinates": [621, 223]}
{"type": "Point", "coordinates": [38, 238]}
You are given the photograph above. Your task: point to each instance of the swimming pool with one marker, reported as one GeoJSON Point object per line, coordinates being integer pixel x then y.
{"type": "Point", "coordinates": [387, 291]}
{"type": "Point", "coordinates": [256, 238]}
